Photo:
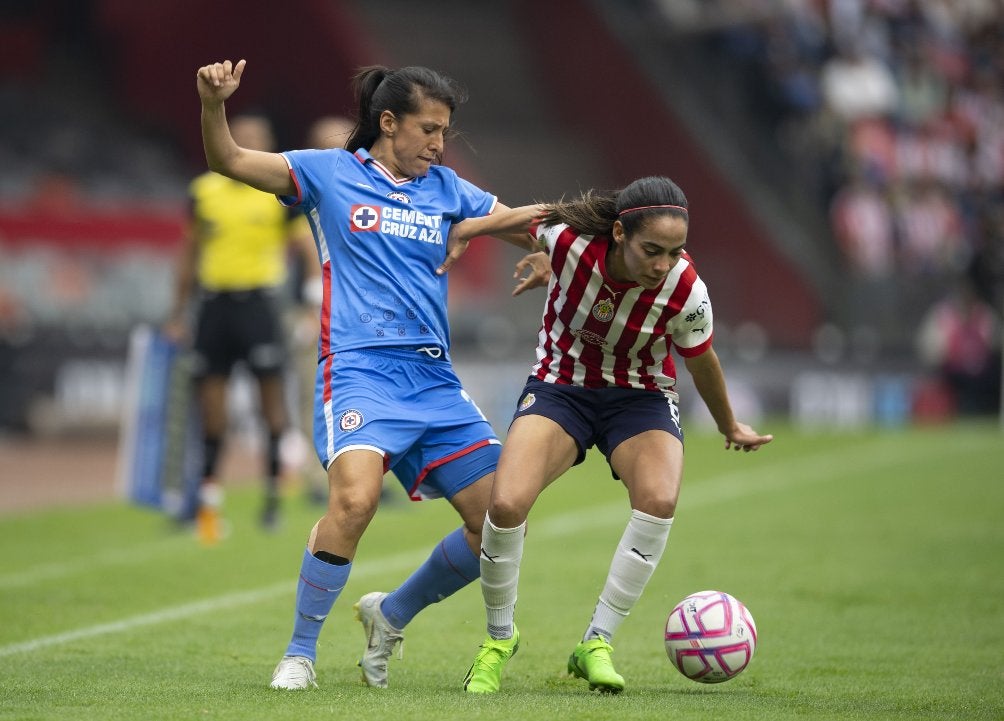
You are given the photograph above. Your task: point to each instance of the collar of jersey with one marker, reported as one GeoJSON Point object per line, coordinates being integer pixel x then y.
{"type": "Point", "coordinates": [364, 157]}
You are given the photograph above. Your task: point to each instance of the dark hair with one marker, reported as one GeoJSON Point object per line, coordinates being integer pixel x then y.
{"type": "Point", "coordinates": [594, 212]}
{"type": "Point", "coordinates": [378, 88]}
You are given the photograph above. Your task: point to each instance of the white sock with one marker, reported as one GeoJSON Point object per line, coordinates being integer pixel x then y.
{"type": "Point", "coordinates": [634, 562]}
{"type": "Point", "coordinates": [501, 553]}
{"type": "Point", "coordinates": [211, 495]}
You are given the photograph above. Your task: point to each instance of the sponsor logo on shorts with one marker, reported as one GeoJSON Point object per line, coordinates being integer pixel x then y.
{"type": "Point", "coordinates": [674, 412]}
{"type": "Point", "coordinates": [528, 400]}
{"type": "Point", "coordinates": [350, 420]}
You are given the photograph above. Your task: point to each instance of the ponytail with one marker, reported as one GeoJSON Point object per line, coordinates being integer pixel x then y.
{"type": "Point", "coordinates": [364, 86]}
{"type": "Point", "coordinates": [378, 88]}
{"type": "Point", "coordinates": [594, 213]}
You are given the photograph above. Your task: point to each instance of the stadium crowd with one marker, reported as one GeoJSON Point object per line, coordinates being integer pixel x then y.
{"type": "Point", "coordinates": [896, 107]}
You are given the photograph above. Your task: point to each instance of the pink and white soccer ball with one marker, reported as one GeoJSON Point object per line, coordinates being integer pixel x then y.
{"type": "Point", "coordinates": [710, 637]}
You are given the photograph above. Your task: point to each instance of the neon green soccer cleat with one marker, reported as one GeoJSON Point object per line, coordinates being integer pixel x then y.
{"type": "Point", "coordinates": [485, 674]}
{"type": "Point", "coordinates": [591, 660]}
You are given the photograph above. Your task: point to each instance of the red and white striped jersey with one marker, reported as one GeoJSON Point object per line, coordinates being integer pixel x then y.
{"type": "Point", "coordinates": [597, 332]}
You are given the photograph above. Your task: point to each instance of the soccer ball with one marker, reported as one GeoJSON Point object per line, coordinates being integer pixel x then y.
{"type": "Point", "coordinates": [710, 637]}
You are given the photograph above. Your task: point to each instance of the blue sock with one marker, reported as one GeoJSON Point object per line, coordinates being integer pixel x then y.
{"type": "Point", "coordinates": [316, 592]}
{"type": "Point", "coordinates": [450, 567]}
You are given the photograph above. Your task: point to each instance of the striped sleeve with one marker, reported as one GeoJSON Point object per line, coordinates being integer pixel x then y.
{"type": "Point", "coordinates": [693, 326]}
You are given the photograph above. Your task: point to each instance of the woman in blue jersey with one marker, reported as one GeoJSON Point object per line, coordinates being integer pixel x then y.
{"type": "Point", "coordinates": [386, 396]}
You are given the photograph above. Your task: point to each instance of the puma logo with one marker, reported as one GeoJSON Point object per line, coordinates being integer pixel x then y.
{"type": "Point", "coordinates": [644, 556]}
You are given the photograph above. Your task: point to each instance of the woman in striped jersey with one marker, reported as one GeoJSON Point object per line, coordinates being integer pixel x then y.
{"type": "Point", "coordinates": [622, 291]}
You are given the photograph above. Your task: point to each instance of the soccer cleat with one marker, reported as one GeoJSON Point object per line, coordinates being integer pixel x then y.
{"type": "Point", "coordinates": [208, 526]}
{"type": "Point", "coordinates": [380, 639]}
{"type": "Point", "coordinates": [294, 673]}
{"type": "Point", "coordinates": [485, 674]}
{"type": "Point", "coordinates": [591, 660]}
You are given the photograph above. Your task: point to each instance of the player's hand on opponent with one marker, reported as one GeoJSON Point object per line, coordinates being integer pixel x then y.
{"type": "Point", "coordinates": [539, 266]}
{"type": "Point", "coordinates": [456, 245]}
{"type": "Point", "coordinates": [745, 439]}
{"type": "Point", "coordinates": [218, 81]}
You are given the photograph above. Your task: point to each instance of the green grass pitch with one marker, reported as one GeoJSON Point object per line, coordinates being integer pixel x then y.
{"type": "Point", "coordinates": [873, 564]}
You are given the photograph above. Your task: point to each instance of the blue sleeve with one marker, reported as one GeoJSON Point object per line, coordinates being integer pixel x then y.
{"type": "Point", "coordinates": [309, 169]}
{"type": "Point", "coordinates": [474, 202]}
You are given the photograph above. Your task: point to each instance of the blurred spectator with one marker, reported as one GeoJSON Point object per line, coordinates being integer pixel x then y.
{"type": "Point", "coordinates": [959, 340]}
{"type": "Point", "coordinates": [857, 86]}
{"type": "Point", "coordinates": [930, 228]}
{"type": "Point", "coordinates": [923, 93]}
{"type": "Point", "coordinates": [330, 131]}
{"type": "Point", "coordinates": [987, 266]}
{"type": "Point", "coordinates": [863, 225]}
{"type": "Point", "coordinates": [901, 104]}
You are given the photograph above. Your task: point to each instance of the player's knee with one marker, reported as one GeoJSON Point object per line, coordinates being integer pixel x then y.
{"type": "Point", "coordinates": [660, 506]}
{"type": "Point", "coordinates": [352, 509]}
{"type": "Point", "coordinates": [507, 511]}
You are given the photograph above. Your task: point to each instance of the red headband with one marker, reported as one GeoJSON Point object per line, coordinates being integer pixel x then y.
{"type": "Point", "coordinates": [648, 207]}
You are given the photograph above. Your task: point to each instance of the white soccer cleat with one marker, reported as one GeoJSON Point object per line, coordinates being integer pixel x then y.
{"type": "Point", "coordinates": [380, 639]}
{"type": "Point", "coordinates": [294, 673]}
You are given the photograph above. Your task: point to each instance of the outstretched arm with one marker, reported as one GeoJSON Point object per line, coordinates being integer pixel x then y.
{"type": "Point", "coordinates": [709, 380]}
{"type": "Point", "coordinates": [265, 171]}
{"type": "Point", "coordinates": [508, 224]}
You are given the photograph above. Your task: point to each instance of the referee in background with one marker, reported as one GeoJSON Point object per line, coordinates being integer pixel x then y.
{"type": "Point", "coordinates": [233, 271]}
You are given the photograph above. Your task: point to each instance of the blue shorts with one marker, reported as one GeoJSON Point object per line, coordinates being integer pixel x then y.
{"type": "Point", "coordinates": [601, 417]}
{"type": "Point", "coordinates": [412, 410]}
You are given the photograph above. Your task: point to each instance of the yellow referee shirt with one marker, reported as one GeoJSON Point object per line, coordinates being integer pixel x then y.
{"type": "Point", "coordinates": [242, 234]}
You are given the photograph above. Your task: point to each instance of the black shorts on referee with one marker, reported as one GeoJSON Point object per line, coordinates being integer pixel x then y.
{"type": "Point", "coordinates": [243, 326]}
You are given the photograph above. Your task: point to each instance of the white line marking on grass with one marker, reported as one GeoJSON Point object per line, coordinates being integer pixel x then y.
{"type": "Point", "coordinates": [718, 489]}
{"type": "Point", "coordinates": [197, 608]}
{"type": "Point", "coordinates": [172, 613]}
{"type": "Point", "coordinates": [114, 557]}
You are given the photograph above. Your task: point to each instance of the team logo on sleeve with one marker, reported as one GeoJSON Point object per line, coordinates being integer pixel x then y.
{"type": "Point", "coordinates": [363, 218]}
{"type": "Point", "coordinates": [700, 318]}
{"type": "Point", "coordinates": [350, 420]}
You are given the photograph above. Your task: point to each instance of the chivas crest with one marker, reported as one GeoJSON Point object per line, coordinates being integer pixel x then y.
{"type": "Point", "coordinates": [603, 311]}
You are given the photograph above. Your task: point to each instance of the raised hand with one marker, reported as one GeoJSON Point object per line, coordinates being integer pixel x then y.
{"type": "Point", "coordinates": [218, 81]}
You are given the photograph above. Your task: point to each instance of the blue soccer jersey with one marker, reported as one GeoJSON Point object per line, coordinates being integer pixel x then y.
{"type": "Point", "coordinates": [380, 241]}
